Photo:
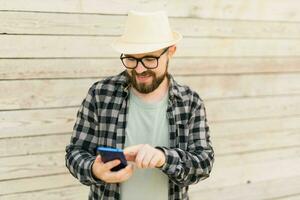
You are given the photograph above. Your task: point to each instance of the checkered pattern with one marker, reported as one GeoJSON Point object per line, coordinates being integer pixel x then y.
{"type": "Point", "coordinates": [101, 121]}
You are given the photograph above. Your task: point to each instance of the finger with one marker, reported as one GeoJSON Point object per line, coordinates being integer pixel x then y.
{"type": "Point", "coordinates": [128, 168]}
{"type": "Point", "coordinates": [139, 158]}
{"type": "Point", "coordinates": [111, 164]}
{"type": "Point", "coordinates": [98, 159]}
{"type": "Point", "coordinates": [154, 161]}
{"type": "Point", "coordinates": [120, 175]}
{"type": "Point", "coordinates": [133, 164]}
{"type": "Point", "coordinates": [146, 160]}
{"type": "Point", "coordinates": [125, 171]}
{"type": "Point", "coordinates": [124, 178]}
{"type": "Point", "coordinates": [128, 174]}
{"type": "Point", "coordinates": [132, 150]}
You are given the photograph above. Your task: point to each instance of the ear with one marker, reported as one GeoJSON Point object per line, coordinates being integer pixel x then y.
{"type": "Point", "coordinates": [171, 51]}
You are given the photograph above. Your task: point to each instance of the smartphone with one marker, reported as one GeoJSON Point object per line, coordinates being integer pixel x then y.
{"type": "Point", "coordinates": [109, 154]}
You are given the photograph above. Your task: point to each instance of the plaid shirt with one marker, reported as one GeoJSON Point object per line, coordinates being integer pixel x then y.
{"type": "Point", "coordinates": [101, 121]}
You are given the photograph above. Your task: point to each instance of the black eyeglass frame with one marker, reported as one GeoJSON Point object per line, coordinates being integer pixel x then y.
{"type": "Point", "coordinates": [140, 60]}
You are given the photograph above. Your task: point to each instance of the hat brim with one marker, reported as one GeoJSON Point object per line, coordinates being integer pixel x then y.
{"type": "Point", "coordinates": [136, 48]}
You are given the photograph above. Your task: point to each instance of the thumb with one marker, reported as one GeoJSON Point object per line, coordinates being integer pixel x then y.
{"type": "Point", "coordinates": [98, 159]}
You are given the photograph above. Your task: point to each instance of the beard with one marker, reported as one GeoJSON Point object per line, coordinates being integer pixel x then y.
{"type": "Point", "coordinates": [146, 88]}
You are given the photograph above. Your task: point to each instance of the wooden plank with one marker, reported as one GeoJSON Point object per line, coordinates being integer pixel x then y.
{"type": "Point", "coordinates": [61, 68]}
{"type": "Point", "coordinates": [251, 168]}
{"type": "Point", "coordinates": [240, 9]}
{"type": "Point", "coordinates": [241, 143]}
{"type": "Point", "coordinates": [55, 46]}
{"type": "Point", "coordinates": [33, 145]}
{"type": "Point", "coordinates": [61, 92]}
{"type": "Point", "coordinates": [252, 108]}
{"type": "Point", "coordinates": [238, 143]}
{"type": "Point", "coordinates": [36, 122]}
{"type": "Point", "coordinates": [228, 171]}
{"type": "Point", "coordinates": [201, 27]}
{"type": "Point", "coordinates": [231, 47]}
{"type": "Point", "coordinates": [235, 86]}
{"type": "Point", "coordinates": [87, 68]}
{"type": "Point", "coordinates": [29, 122]}
{"type": "Point", "coordinates": [23, 123]}
{"type": "Point", "coordinates": [248, 127]}
{"type": "Point", "coordinates": [289, 197]}
{"type": "Point", "coordinates": [49, 46]}
{"type": "Point", "coordinates": [286, 10]}
{"type": "Point", "coordinates": [85, 24]}
{"type": "Point", "coordinates": [60, 23]}
{"type": "Point", "coordinates": [37, 183]}
{"type": "Point", "coordinates": [261, 190]}
{"type": "Point", "coordinates": [27, 166]}
{"type": "Point", "coordinates": [65, 193]}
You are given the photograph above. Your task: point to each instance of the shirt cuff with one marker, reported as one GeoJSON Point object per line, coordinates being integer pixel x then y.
{"type": "Point", "coordinates": [93, 179]}
{"type": "Point", "coordinates": [169, 159]}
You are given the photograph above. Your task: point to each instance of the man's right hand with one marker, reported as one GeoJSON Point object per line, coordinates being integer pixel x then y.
{"type": "Point", "coordinates": [102, 171]}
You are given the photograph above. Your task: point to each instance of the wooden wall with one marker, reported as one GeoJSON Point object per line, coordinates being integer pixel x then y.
{"type": "Point", "coordinates": [242, 57]}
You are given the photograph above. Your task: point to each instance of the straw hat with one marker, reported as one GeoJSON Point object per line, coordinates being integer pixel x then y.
{"type": "Point", "coordinates": [146, 32]}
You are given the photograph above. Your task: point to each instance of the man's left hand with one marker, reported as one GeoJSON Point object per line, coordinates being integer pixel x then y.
{"type": "Point", "coordinates": [145, 156]}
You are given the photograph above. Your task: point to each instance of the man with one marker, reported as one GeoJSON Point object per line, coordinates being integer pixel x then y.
{"type": "Point", "coordinates": [160, 124]}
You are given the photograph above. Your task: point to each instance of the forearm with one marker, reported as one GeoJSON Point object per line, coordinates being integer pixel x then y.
{"type": "Point", "coordinates": [190, 165]}
{"type": "Point", "coordinates": [186, 168]}
{"type": "Point", "coordinates": [79, 162]}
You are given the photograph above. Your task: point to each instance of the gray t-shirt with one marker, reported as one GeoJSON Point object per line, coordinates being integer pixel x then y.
{"type": "Point", "coordinates": [147, 124]}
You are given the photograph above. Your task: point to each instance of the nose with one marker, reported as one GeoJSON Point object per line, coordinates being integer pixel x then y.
{"type": "Point", "coordinates": [140, 68]}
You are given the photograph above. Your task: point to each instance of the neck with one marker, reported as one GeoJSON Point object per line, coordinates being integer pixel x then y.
{"type": "Point", "coordinates": [156, 95]}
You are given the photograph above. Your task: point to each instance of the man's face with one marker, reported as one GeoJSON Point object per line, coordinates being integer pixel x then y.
{"type": "Point", "coordinates": [147, 80]}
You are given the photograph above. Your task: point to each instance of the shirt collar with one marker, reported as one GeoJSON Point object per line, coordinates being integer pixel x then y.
{"type": "Point", "coordinates": [173, 88]}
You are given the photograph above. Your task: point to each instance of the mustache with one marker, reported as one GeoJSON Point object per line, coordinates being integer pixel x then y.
{"type": "Point", "coordinates": [145, 73]}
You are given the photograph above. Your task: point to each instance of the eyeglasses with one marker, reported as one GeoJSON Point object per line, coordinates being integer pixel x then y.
{"type": "Point", "coordinates": [149, 62]}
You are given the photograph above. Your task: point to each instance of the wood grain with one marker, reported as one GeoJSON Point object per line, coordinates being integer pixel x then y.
{"type": "Point", "coordinates": [242, 57]}
{"type": "Point", "coordinates": [260, 10]}
{"type": "Point", "coordinates": [24, 123]}
{"type": "Point", "coordinates": [77, 192]}
{"type": "Point", "coordinates": [70, 92]}
{"type": "Point", "coordinates": [242, 170]}
{"type": "Point", "coordinates": [90, 68]}
{"type": "Point", "coordinates": [86, 24]}
{"type": "Point", "coordinates": [269, 189]}
{"type": "Point", "coordinates": [49, 46]}
{"type": "Point", "coordinates": [37, 183]}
